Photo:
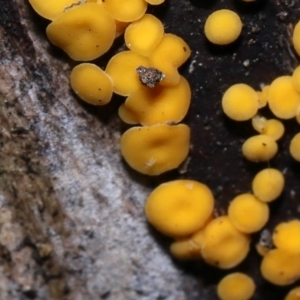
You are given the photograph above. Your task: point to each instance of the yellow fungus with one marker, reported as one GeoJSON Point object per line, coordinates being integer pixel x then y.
{"type": "Point", "coordinates": [179, 208]}
{"type": "Point", "coordinates": [296, 37]}
{"type": "Point", "coordinates": [268, 184]}
{"type": "Point", "coordinates": [170, 54]}
{"type": "Point", "coordinates": [223, 27]}
{"type": "Point", "coordinates": [155, 2]}
{"type": "Point", "coordinates": [185, 249]}
{"type": "Point", "coordinates": [261, 249]}
{"type": "Point", "coordinates": [286, 236]}
{"type": "Point", "coordinates": [293, 294]}
{"type": "Point", "coordinates": [295, 147]}
{"type": "Point", "coordinates": [259, 148]}
{"type": "Point", "coordinates": [91, 84]}
{"type": "Point", "coordinates": [240, 102]}
{"type": "Point", "coordinates": [120, 27]}
{"type": "Point", "coordinates": [263, 96]}
{"type": "Point", "coordinates": [84, 32]}
{"type": "Point", "coordinates": [247, 213]}
{"type": "Point", "coordinates": [281, 267]}
{"type": "Point", "coordinates": [223, 245]}
{"type": "Point", "coordinates": [122, 70]}
{"type": "Point", "coordinates": [259, 123]}
{"type": "Point", "coordinates": [157, 105]}
{"type": "Point", "coordinates": [296, 78]}
{"type": "Point", "coordinates": [272, 128]}
{"type": "Point", "coordinates": [139, 42]}
{"type": "Point", "coordinates": [153, 150]}
{"type": "Point", "coordinates": [284, 99]}
{"type": "Point", "coordinates": [126, 11]}
{"type": "Point", "coordinates": [236, 286]}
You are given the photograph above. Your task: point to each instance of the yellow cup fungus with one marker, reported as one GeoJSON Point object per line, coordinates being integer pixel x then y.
{"type": "Point", "coordinates": [236, 286]}
{"type": "Point", "coordinates": [91, 84]}
{"type": "Point", "coordinates": [272, 128]}
{"type": "Point", "coordinates": [153, 150]}
{"type": "Point", "coordinates": [284, 99]}
{"type": "Point", "coordinates": [295, 147]}
{"type": "Point", "coordinates": [160, 104]}
{"type": "Point", "coordinates": [155, 2]}
{"type": "Point", "coordinates": [120, 27]}
{"type": "Point", "coordinates": [293, 294]}
{"type": "Point", "coordinates": [223, 27]}
{"type": "Point", "coordinates": [296, 38]}
{"type": "Point", "coordinates": [170, 54]}
{"type": "Point", "coordinates": [263, 96]}
{"type": "Point", "coordinates": [240, 102]}
{"type": "Point", "coordinates": [179, 208]}
{"type": "Point", "coordinates": [296, 78]}
{"type": "Point", "coordinates": [268, 184]}
{"type": "Point", "coordinates": [281, 267]}
{"type": "Point", "coordinates": [185, 249]}
{"type": "Point", "coordinates": [143, 36]}
{"type": "Point", "coordinates": [125, 10]}
{"type": "Point", "coordinates": [223, 245]}
{"type": "Point", "coordinates": [247, 213]}
{"type": "Point", "coordinates": [259, 148]}
{"type": "Point", "coordinates": [122, 70]}
{"type": "Point", "coordinates": [84, 32]}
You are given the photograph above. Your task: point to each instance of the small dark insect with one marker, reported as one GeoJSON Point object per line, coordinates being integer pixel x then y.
{"type": "Point", "coordinates": [150, 76]}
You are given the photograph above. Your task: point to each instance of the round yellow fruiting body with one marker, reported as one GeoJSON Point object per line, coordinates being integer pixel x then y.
{"type": "Point", "coordinates": [281, 267]}
{"type": "Point", "coordinates": [136, 39]}
{"type": "Point", "coordinates": [247, 213]}
{"type": "Point", "coordinates": [153, 150]}
{"type": "Point", "coordinates": [91, 84]}
{"type": "Point", "coordinates": [240, 102]}
{"type": "Point", "coordinates": [259, 123]}
{"type": "Point", "coordinates": [185, 249]}
{"type": "Point", "coordinates": [268, 184]}
{"type": "Point", "coordinates": [236, 286]}
{"type": "Point", "coordinates": [286, 236]}
{"type": "Point", "coordinates": [261, 249]}
{"type": "Point", "coordinates": [296, 78]}
{"type": "Point", "coordinates": [259, 148]}
{"type": "Point", "coordinates": [161, 104]}
{"type": "Point", "coordinates": [295, 147]}
{"type": "Point", "coordinates": [263, 96]}
{"type": "Point", "coordinates": [284, 99]}
{"type": "Point", "coordinates": [223, 27]}
{"type": "Point", "coordinates": [120, 27]}
{"type": "Point", "coordinates": [296, 38]}
{"type": "Point", "coordinates": [293, 294]}
{"type": "Point", "coordinates": [179, 208]}
{"type": "Point", "coordinates": [84, 32]}
{"type": "Point", "coordinates": [155, 2]}
{"type": "Point", "coordinates": [272, 128]}
{"type": "Point", "coordinates": [122, 70]}
{"type": "Point", "coordinates": [223, 245]}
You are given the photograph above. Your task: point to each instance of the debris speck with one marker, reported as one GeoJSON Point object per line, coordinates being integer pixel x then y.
{"type": "Point", "coordinates": [150, 77]}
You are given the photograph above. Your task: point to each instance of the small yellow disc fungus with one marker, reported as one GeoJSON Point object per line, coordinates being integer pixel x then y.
{"type": "Point", "coordinates": [84, 32]}
{"type": "Point", "coordinates": [268, 184]}
{"type": "Point", "coordinates": [120, 27]}
{"type": "Point", "coordinates": [160, 104]}
{"type": "Point", "coordinates": [224, 246]}
{"type": "Point", "coordinates": [223, 27]}
{"type": "Point", "coordinates": [261, 249]}
{"type": "Point", "coordinates": [126, 10]}
{"type": "Point", "coordinates": [240, 102]}
{"type": "Point", "coordinates": [272, 128]}
{"type": "Point", "coordinates": [170, 54]}
{"type": "Point", "coordinates": [296, 38]}
{"type": "Point", "coordinates": [295, 147]}
{"type": "Point", "coordinates": [296, 78]}
{"type": "Point", "coordinates": [259, 123]}
{"type": "Point", "coordinates": [247, 213]}
{"type": "Point", "coordinates": [185, 249]}
{"type": "Point", "coordinates": [263, 96]}
{"type": "Point", "coordinates": [281, 267]}
{"type": "Point", "coordinates": [286, 236]}
{"type": "Point", "coordinates": [153, 150]}
{"type": "Point", "coordinates": [236, 286]}
{"type": "Point", "coordinates": [293, 294]}
{"type": "Point", "coordinates": [91, 84]}
{"type": "Point", "coordinates": [155, 2]}
{"type": "Point", "coordinates": [259, 148]}
{"type": "Point", "coordinates": [122, 70]}
{"type": "Point", "coordinates": [284, 99]}
{"type": "Point", "coordinates": [139, 42]}
{"type": "Point", "coordinates": [179, 208]}
{"type": "Point", "coordinates": [127, 116]}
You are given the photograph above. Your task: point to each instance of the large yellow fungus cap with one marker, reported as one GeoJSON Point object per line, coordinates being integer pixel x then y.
{"type": "Point", "coordinates": [139, 42]}
{"type": "Point", "coordinates": [179, 208]}
{"type": "Point", "coordinates": [296, 38]}
{"type": "Point", "coordinates": [259, 148]}
{"type": "Point", "coordinates": [240, 102]}
{"type": "Point", "coordinates": [272, 128]}
{"type": "Point", "coordinates": [224, 246]}
{"type": "Point", "coordinates": [223, 27]}
{"type": "Point", "coordinates": [161, 104]}
{"type": "Point", "coordinates": [293, 294]}
{"type": "Point", "coordinates": [247, 213]}
{"type": "Point", "coordinates": [268, 184]}
{"type": "Point", "coordinates": [170, 54]}
{"type": "Point", "coordinates": [153, 150]}
{"type": "Point", "coordinates": [91, 84]}
{"type": "Point", "coordinates": [236, 286]}
{"type": "Point", "coordinates": [122, 70]}
{"type": "Point", "coordinates": [286, 236]}
{"type": "Point", "coordinates": [284, 99]}
{"type": "Point", "coordinates": [126, 10]}
{"type": "Point", "coordinates": [296, 78]}
{"type": "Point", "coordinates": [84, 32]}
{"type": "Point", "coordinates": [295, 147]}
{"type": "Point", "coordinates": [281, 267]}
